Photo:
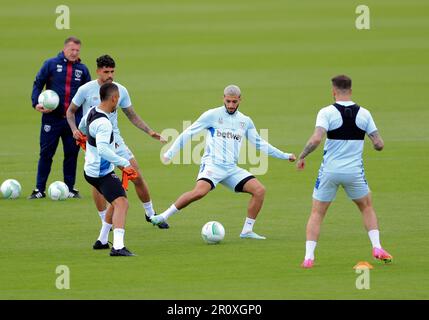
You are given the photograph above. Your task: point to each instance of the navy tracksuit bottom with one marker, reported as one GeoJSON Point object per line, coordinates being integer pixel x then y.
{"type": "Point", "coordinates": [51, 132]}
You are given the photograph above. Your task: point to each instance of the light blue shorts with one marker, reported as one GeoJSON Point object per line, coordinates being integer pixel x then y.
{"type": "Point", "coordinates": [232, 177]}
{"type": "Point", "coordinates": [327, 184]}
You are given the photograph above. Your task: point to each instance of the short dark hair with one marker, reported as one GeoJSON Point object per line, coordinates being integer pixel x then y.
{"type": "Point", "coordinates": [107, 90]}
{"type": "Point", "coordinates": [342, 82]}
{"type": "Point", "coordinates": [72, 39]}
{"type": "Point", "coordinates": [105, 61]}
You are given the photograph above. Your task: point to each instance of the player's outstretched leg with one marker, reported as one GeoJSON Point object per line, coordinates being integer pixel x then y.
{"type": "Point", "coordinates": [257, 190]}
{"type": "Point", "coordinates": [142, 191]}
{"type": "Point", "coordinates": [370, 221]}
{"type": "Point", "coordinates": [318, 212]}
{"type": "Point", "coordinates": [200, 190]}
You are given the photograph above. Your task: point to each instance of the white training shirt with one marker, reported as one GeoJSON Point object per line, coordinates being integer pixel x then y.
{"type": "Point", "coordinates": [88, 96]}
{"type": "Point", "coordinates": [343, 156]}
{"type": "Point", "coordinates": [100, 160]}
{"type": "Point", "coordinates": [225, 133]}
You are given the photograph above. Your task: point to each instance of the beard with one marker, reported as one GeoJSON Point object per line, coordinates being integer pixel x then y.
{"type": "Point", "coordinates": [231, 112]}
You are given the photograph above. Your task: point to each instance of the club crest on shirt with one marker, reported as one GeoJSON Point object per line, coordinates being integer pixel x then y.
{"type": "Point", "coordinates": [47, 127]}
{"type": "Point", "coordinates": [220, 120]}
{"type": "Point", "coordinates": [59, 68]}
{"type": "Point", "coordinates": [242, 124]}
{"type": "Point", "coordinates": [77, 75]}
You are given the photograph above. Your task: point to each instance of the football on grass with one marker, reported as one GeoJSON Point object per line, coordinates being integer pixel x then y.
{"type": "Point", "coordinates": [58, 190]}
{"type": "Point", "coordinates": [213, 232]}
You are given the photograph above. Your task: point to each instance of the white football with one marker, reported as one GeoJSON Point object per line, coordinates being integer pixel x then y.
{"type": "Point", "coordinates": [49, 99]}
{"type": "Point", "coordinates": [58, 190]}
{"type": "Point", "coordinates": [11, 189]}
{"type": "Point", "coordinates": [213, 232]}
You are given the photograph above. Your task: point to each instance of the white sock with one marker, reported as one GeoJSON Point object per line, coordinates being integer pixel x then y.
{"type": "Point", "coordinates": [118, 238]}
{"type": "Point", "coordinates": [374, 236]}
{"type": "Point", "coordinates": [104, 232]}
{"type": "Point", "coordinates": [248, 225]}
{"type": "Point", "coordinates": [102, 215]}
{"type": "Point", "coordinates": [169, 212]}
{"type": "Point", "coordinates": [309, 249]}
{"type": "Point", "coordinates": [148, 208]}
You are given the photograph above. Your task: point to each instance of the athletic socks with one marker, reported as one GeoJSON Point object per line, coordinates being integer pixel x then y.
{"type": "Point", "coordinates": [104, 232]}
{"type": "Point", "coordinates": [102, 215]}
{"type": "Point", "coordinates": [169, 212]}
{"type": "Point", "coordinates": [248, 225]}
{"type": "Point", "coordinates": [374, 236]}
{"type": "Point", "coordinates": [118, 238]}
{"type": "Point", "coordinates": [310, 246]}
{"type": "Point", "coordinates": [148, 208]}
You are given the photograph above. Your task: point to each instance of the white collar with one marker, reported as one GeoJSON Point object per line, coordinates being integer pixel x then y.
{"type": "Point", "coordinates": [345, 103]}
{"type": "Point", "coordinates": [101, 111]}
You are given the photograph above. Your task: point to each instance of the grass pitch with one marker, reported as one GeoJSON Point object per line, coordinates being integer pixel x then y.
{"type": "Point", "coordinates": [175, 58]}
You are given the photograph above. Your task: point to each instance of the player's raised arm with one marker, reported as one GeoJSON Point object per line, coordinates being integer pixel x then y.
{"type": "Point", "coordinates": [139, 123]}
{"type": "Point", "coordinates": [203, 122]}
{"type": "Point", "coordinates": [260, 144]}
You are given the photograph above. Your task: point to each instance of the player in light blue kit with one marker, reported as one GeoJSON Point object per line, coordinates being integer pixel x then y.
{"type": "Point", "coordinates": [345, 124]}
{"type": "Point", "coordinates": [226, 128]}
{"type": "Point", "coordinates": [89, 96]}
{"type": "Point", "coordinates": [100, 161]}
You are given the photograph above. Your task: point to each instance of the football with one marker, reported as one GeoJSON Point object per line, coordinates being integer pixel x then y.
{"type": "Point", "coordinates": [58, 190]}
{"type": "Point", "coordinates": [213, 232]}
{"type": "Point", "coordinates": [10, 189]}
{"type": "Point", "coordinates": [49, 99]}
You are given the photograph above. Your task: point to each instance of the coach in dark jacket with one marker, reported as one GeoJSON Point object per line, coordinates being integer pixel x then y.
{"type": "Point", "coordinates": [63, 74]}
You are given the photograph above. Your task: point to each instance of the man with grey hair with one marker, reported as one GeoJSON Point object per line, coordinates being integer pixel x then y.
{"type": "Point", "coordinates": [226, 127]}
{"type": "Point", "coordinates": [232, 90]}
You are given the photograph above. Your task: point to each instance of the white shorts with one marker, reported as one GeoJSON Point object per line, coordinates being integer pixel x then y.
{"type": "Point", "coordinates": [232, 177]}
{"type": "Point", "coordinates": [327, 184]}
{"type": "Point", "coordinates": [123, 151]}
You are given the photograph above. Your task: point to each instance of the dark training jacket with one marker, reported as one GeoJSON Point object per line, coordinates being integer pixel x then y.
{"type": "Point", "coordinates": [62, 76]}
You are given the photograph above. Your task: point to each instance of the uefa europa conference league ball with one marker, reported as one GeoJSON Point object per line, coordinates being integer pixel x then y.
{"type": "Point", "coordinates": [10, 189]}
{"type": "Point", "coordinates": [213, 232]}
{"type": "Point", "coordinates": [49, 99]}
{"type": "Point", "coordinates": [58, 190]}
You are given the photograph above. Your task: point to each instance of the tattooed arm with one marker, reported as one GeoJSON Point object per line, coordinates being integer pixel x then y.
{"type": "Point", "coordinates": [139, 123]}
{"type": "Point", "coordinates": [377, 141]}
{"type": "Point", "coordinates": [311, 145]}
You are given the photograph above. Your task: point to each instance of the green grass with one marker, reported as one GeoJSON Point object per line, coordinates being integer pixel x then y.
{"type": "Point", "coordinates": [175, 59]}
